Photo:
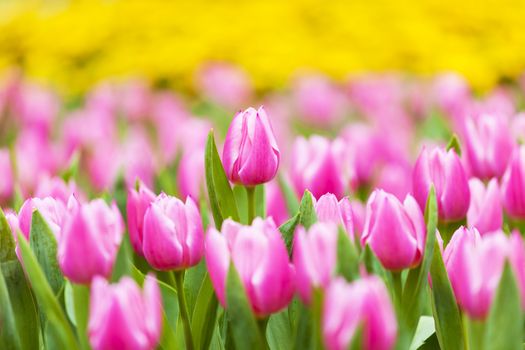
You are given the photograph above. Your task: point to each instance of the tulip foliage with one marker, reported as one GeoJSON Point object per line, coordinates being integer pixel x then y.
{"type": "Point", "coordinates": [236, 253]}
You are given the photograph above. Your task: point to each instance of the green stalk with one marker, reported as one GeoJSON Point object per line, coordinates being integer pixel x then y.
{"type": "Point", "coordinates": [398, 288]}
{"type": "Point", "coordinates": [475, 330]}
{"type": "Point", "coordinates": [81, 301]}
{"type": "Point", "coordinates": [250, 192]}
{"type": "Point", "coordinates": [263, 323]}
{"type": "Point", "coordinates": [178, 276]}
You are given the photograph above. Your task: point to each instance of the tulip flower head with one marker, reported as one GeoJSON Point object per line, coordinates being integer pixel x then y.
{"type": "Point", "coordinates": [443, 169]}
{"type": "Point", "coordinates": [138, 202]}
{"type": "Point", "coordinates": [394, 231]}
{"type": "Point", "coordinates": [90, 238]}
{"type": "Point", "coordinates": [250, 154]}
{"type": "Point", "coordinates": [51, 209]}
{"type": "Point", "coordinates": [314, 257]}
{"type": "Point", "coordinates": [259, 254]}
{"type": "Point", "coordinates": [364, 303]}
{"type": "Point", "coordinates": [329, 209]}
{"type": "Point", "coordinates": [173, 237]}
{"type": "Point", "coordinates": [121, 316]}
{"type": "Point", "coordinates": [475, 264]}
{"type": "Point", "coordinates": [513, 185]}
{"type": "Point", "coordinates": [485, 211]}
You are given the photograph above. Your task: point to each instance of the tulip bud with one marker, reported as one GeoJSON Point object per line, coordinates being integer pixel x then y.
{"type": "Point", "coordinates": [259, 254]}
{"type": "Point", "coordinates": [513, 185]}
{"type": "Point", "coordinates": [317, 166]}
{"type": "Point", "coordinates": [328, 209]}
{"type": "Point", "coordinates": [475, 264]}
{"type": "Point", "coordinates": [121, 316]}
{"type": "Point", "coordinates": [394, 231]}
{"type": "Point", "coordinates": [51, 209]}
{"type": "Point", "coordinates": [364, 303]}
{"type": "Point", "coordinates": [488, 146]}
{"type": "Point", "coordinates": [276, 203]}
{"type": "Point", "coordinates": [443, 169]}
{"type": "Point", "coordinates": [250, 154]}
{"type": "Point", "coordinates": [57, 188]}
{"type": "Point", "coordinates": [136, 206]}
{"type": "Point", "coordinates": [173, 237]}
{"type": "Point", "coordinates": [485, 211]}
{"type": "Point", "coordinates": [314, 257]}
{"type": "Point", "coordinates": [90, 238]}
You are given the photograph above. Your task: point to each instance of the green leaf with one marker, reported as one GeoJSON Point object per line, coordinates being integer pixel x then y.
{"type": "Point", "coordinates": [290, 197]}
{"type": "Point", "coordinates": [46, 299]}
{"type": "Point", "coordinates": [44, 245]}
{"type": "Point", "coordinates": [242, 203]}
{"type": "Point", "coordinates": [425, 329]}
{"type": "Point", "coordinates": [279, 331]}
{"type": "Point", "coordinates": [9, 338]}
{"type": "Point", "coordinates": [81, 306]}
{"type": "Point", "coordinates": [192, 282]}
{"type": "Point", "coordinates": [303, 330]}
{"type": "Point", "coordinates": [222, 200]}
{"type": "Point", "coordinates": [243, 324]}
{"type": "Point", "coordinates": [7, 242]}
{"type": "Point", "coordinates": [204, 317]}
{"type": "Point", "coordinates": [357, 339]}
{"type": "Point", "coordinates": [287, 230]}
{"type": "Point", "coordinates": [417, 279]}
{"type": "Point", "coordinates": [347, 257]}
{"type": "Point", "coordinates": [453, 143]}
{"type": "Point", "coordinates": [372, 264]}
{"type": "Point", "coordinates": [307, 210]}
{"type": "Point", "coordinates": [72, 169]}
{"type": "Point", "coordinates": [505, 320]}
{"type": "Point", "coordinates": [448, 324]}
{"type": "Point", "coordinates": [124, 261]}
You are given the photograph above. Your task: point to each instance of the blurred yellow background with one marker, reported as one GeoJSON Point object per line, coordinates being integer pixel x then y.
{"type": "Point", "coordinates": [73, 44]}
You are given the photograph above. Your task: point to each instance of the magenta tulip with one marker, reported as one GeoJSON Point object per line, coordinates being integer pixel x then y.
{"type": "Point", "coordinates": [173, 237]}
{"type": "Point", "coordinates": [488, 145]}
{"type": "Point", "coordinates": [121, 316]}
{"type": "Point", "coordinates": [475, 264]}
{"type": "Point", "coordinates": [136, 206]}
{"type": "Point", "coordinates": [314, 257]}
{"type": "Point", "coordinates": [52, 210]}
{"type": "Point", "coordinates": [394, 231]}
{"type": "Point", "coordinates": [444, 170]}
{"type": "Point", "coordinates": [276, 203]}
{"type": "Point", "coordinates": [57, 188]}
{"type": "Point", "coordinates": [318, 166]}
{"type": "Point", "coordinates": [90, 238]}
{"type": "Point", "coordinates": [259, 254]}
{"type": "Point", "coordinates": [250, 154]}
{"type": "Point", "coordinates": [513, 185]}
{"type": "Point", "coordinates": [328, 209]}
{"type": "Point", "coordinates": [485, 211]}
{"type": "Point", "coordinates": [364, 303]}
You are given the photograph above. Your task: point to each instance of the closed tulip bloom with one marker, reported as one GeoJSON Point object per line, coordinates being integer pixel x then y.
{"type": "Point", "coordinates": [259, 254]}
{"type": "Point", "coordinates": [314, 257]}
{"type": "Point", "coordinates": [488, 145]}
{"type": "Point", "coordinates": [364, 303]}
{"type": "Point", "coordinates": [443, 169]}
{"type": "Point", "coordinates": [513, 185]}
{"type": "Point", "coordinates": [173, 238]}
{"type": "Point", "coordinates": [51, 209]}
{"type": "Point", "coordinates": [250, 155]}
{"type": "Point", "coordinates": [329, 209]}
{"type": "Point", "coordinates": [121, 316]}
{"type": "Point", "coordinates": [475, 264]}
{"type": "Point", "coordinates": [90, 238]}
{"type": "Point", "coordinates": [485, 211]}
{"type": "Point", "coordinates": [394, 231]}
{"type": "Point", "coordinates": [318, 166]}
{"type": "Point", "coordinates": [138, 202]}
{"type": "Point", "coordinates": [57, 188]}
{"type": "Point", "coordinates": [276, 203]}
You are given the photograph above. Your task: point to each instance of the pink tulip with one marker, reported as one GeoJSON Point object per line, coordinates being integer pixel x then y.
{"type": "Point", "coordinates": [513, 185]}
{"type": "Point", "coordinates": [451, 93]}
{"type": "Point", "coordinates": [488, 145]}
{"type": "Point", "coordinates": [37, 108]}
{"type": "Point", "coordinates": [475, 264]}
{"type": "Point", "coordinates": [57, 188]}
{"type": "Point", "coordinates": [364, 303]}
{"type": "Point", "coordinates": [394, 231]}
{"type": "Point", "coordinates": [485, 211]}
{"type": "Point", "coordinates": [318, 166]}
{"type": "Point", "coordinates": [190, 176]}
{"type": "Point", "coordinates": [7, 184]}
{"type": "Point", "coordinates": [329, 209]}
{"type": "Point", "coordinates": [134, 97]}
{"type": "Point", "coordinates": [138, 158]}
{"type": "Point", "coordinates": [51, 209]}
{"type": "Point", "coordinates": [136, 206]}
{"type": "Point", "coordinates": [314, 257]}
{"type": "Point", "coordinates": [358, 216]}
{"type": "Point", "coordinates": [444, 170]}
{"type": "Point", "coordinates": [173, 237]}
{"type": "Point", "coordinates": [91, 236]}
{"type": "Point", "coordinates": [259, 255]}
{"type": "Point", "coordinates": [395, 178]}
{"type": "Point", "coordinates": [275, 203]}
{"type": "Point", "coordinates": [250, 154]}
{"type": "Point", "coordinates": [121, 316]}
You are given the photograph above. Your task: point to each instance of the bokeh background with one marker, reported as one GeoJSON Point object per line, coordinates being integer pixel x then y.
{"type": "Point", "coordinates": [74, 44]}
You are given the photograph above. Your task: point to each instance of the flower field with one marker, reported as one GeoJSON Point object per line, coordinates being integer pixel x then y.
{"type": "Point", "coordinates": [187, 176]}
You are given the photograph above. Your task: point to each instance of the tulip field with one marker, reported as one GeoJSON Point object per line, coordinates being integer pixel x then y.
{"type": "Point", "coordinates": [382, 211]}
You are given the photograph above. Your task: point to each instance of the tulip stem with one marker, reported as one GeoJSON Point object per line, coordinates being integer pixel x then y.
{"type": "Point", "coordinates": [263, 323]}
{"type": "Point", "coordinates": [398, 287]}
{"type": "Point", "coordinates": [250, 192]}
{"type": "Point", "coordinates": [81, 303]}
{"type": "Point", "coordinates": [179, 285]}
